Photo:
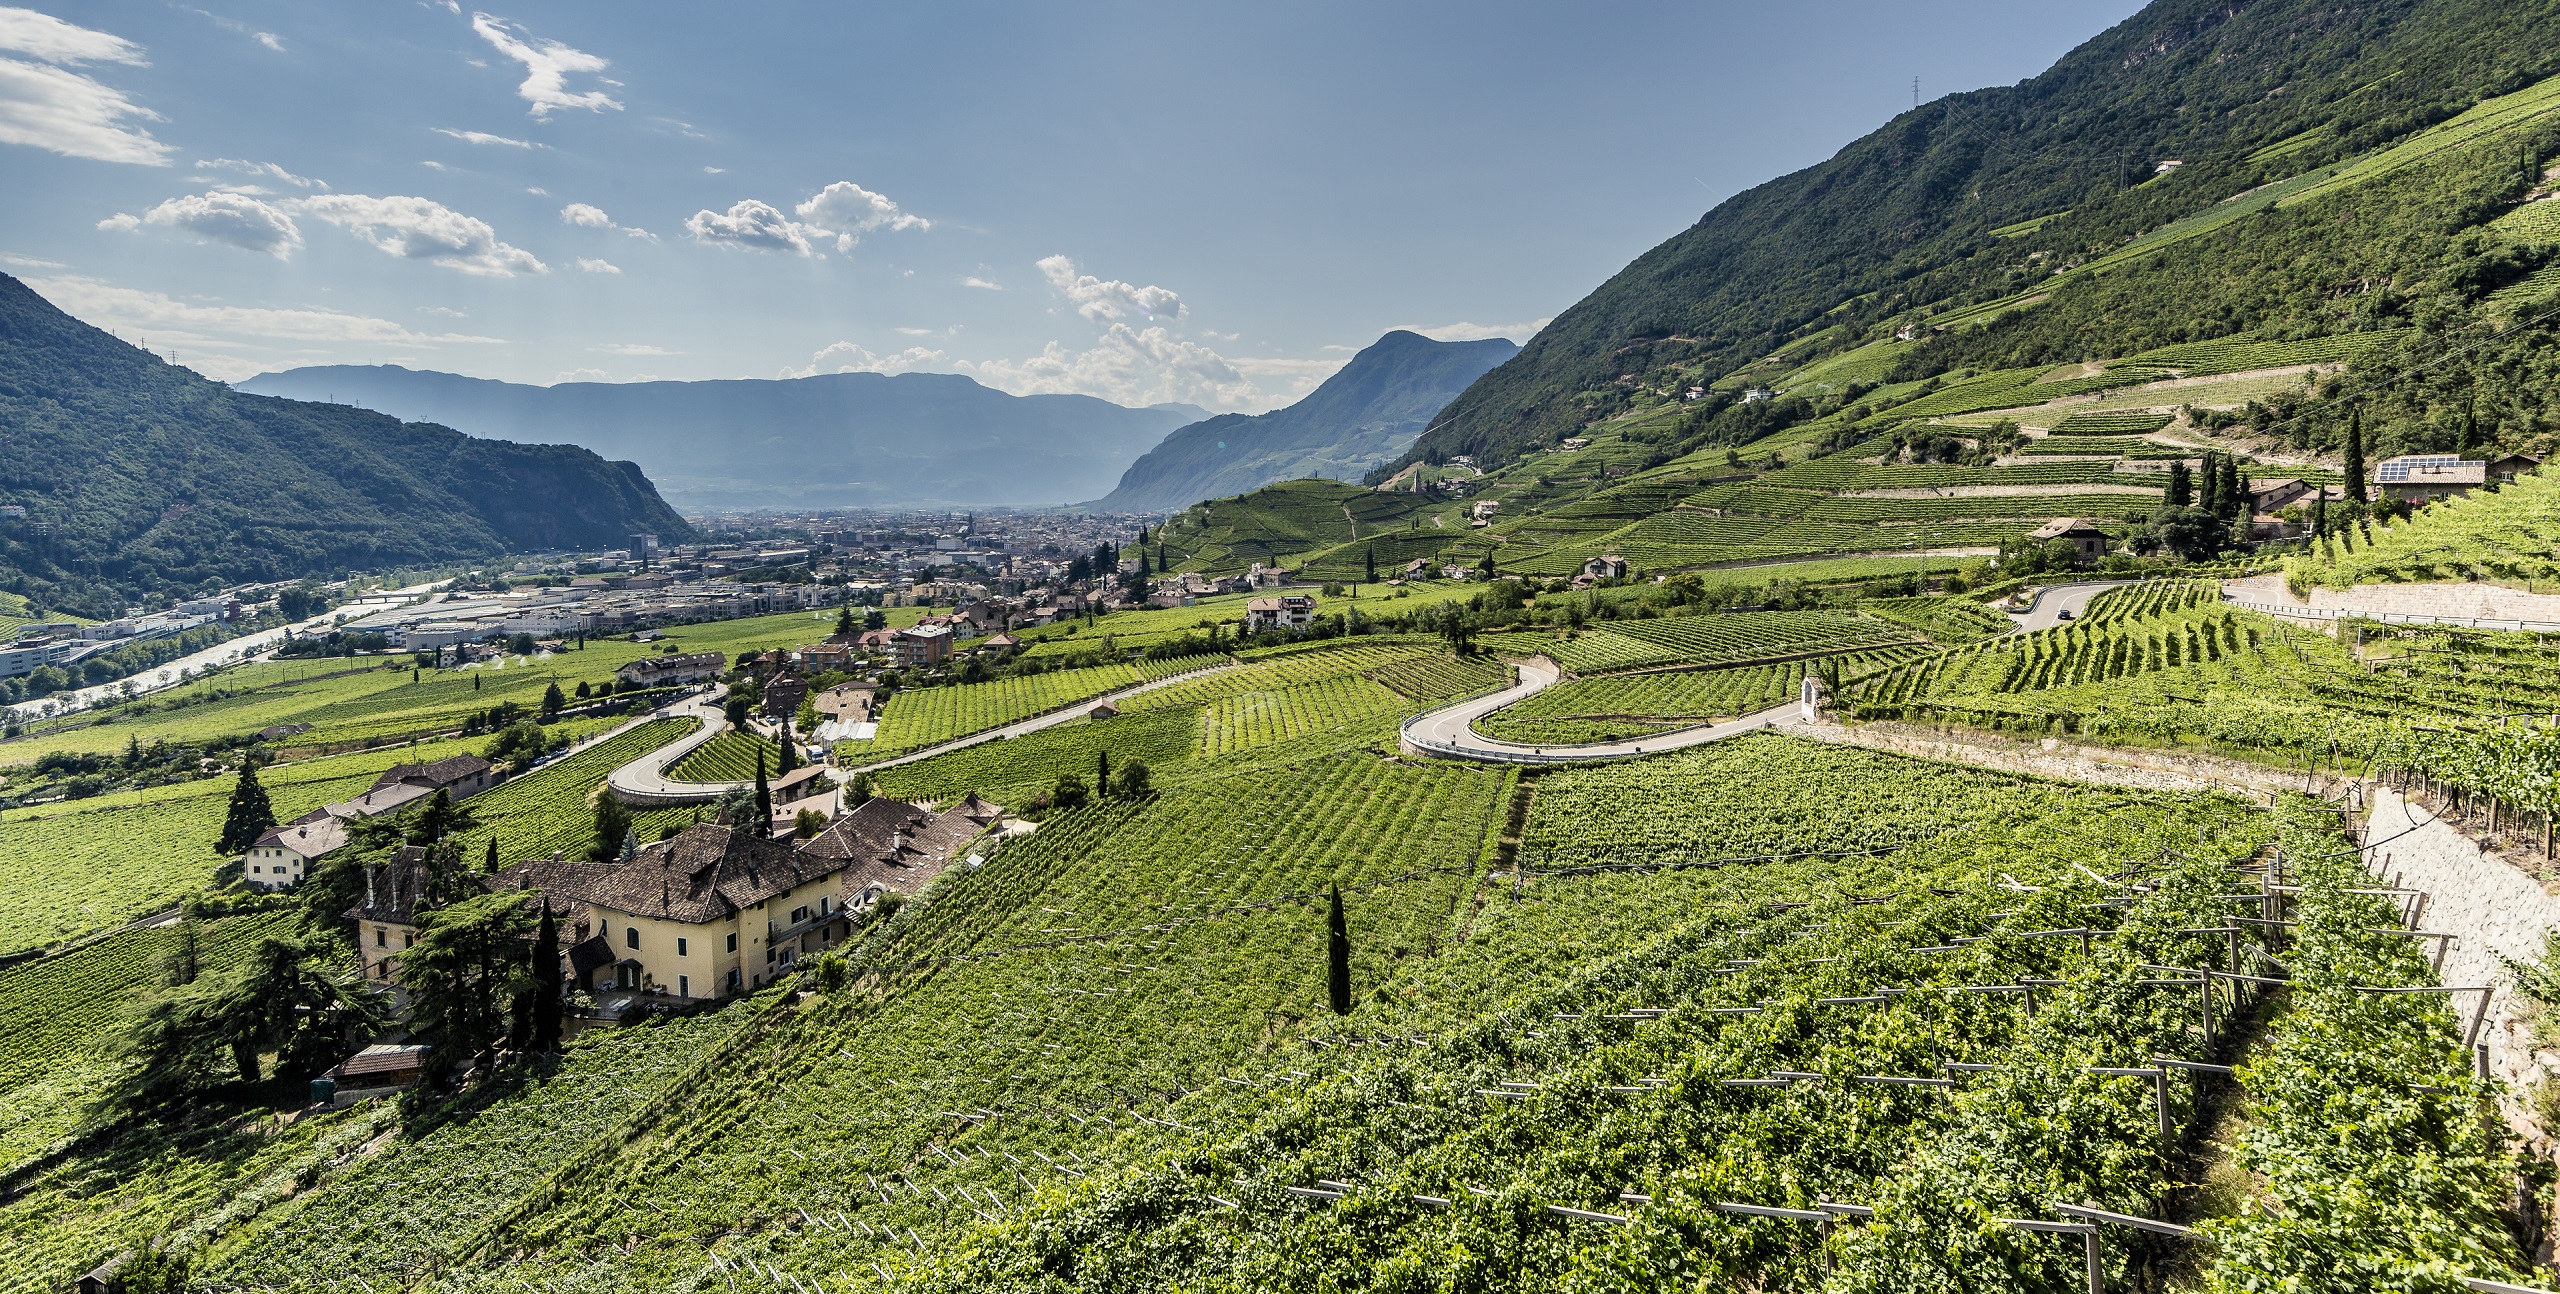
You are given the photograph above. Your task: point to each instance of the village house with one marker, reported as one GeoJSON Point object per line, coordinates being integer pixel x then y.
{"type": "Point", "coordinates": [891, 847]}
{"type": "Point", "coordinates": [922, 646]}
{"type": "Point", "coordinates": [2507, 467]}
{"type": "Point", "coordinates": [2425, 478]}
{"type": "Point", "coordinates": [458, 776]}
{"type": "Point", "coordinates": [668, 671]}
{"type": "Point", "coordinates": [834, 656]}
{"type": "Point", "coordinates": [2088, 543]}
{"type": "Point", "coordinates": [2272, 496]}
{"type": "Point", "coordinates": [846, 702]}
{"type": "Point", "coordinates": [708, 912]}
{"type": "Point", "coordinates": [387, 921]}
{"type": "Point", "coordinates": [1608, 567]}
{"type": "Point", "coordinates": [284, 853]}
{"type": "Point", "coordinates": [1289, 611]}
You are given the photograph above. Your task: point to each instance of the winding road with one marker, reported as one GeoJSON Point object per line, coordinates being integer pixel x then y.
{"type": "Point", "coordinates": [2058, 598]}
{"type": "Point", "coordinates": [1449, 732]}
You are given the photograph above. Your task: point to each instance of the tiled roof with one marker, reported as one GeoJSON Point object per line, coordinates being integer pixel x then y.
{"type": "Point", "coordinates": [314, 835]}
{"type": "Point", "coordinates": [705, 873]}
{"type": "Point", "coordinates": [442, 772]}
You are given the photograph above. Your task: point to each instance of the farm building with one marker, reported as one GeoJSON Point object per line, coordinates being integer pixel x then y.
{"type": "Point", "coordinates": [2088, 543]}
{"type": "Point", "coordinates": [2425, 478]}
{"type": "Point", "coordinates": [285, 852]}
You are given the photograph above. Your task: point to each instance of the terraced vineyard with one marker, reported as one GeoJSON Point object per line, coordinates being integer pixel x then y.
{"type": "Point", "coordinates": [1952, 621]}
{"type": "Point", "coordinates": [2111, 424]}
{"type": "Point", "coordinates": [730, 757]}
{"type": "Point", "coordinates": [928, 716]}
{"type": "Point", "coordinates": [1616, 708]}
{"type": "Point", "coordinates": [1712, 639]}
{"type": "Point", "coordinates": [546, 811]}
{"type": "Point", "coordinates": [2145, 627]}
{"type": "Point", "coordinates": [2510, 537]}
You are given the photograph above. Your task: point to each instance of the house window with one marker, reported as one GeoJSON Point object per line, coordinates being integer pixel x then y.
{"type": "Point", "coordinates": [733, 979]}
{"type": "Point", "coordinates": [733, 941]}
{"type": "Point", "coordinates": [680, 942]}
{"type": "Point", "coordinates": [684, 986]}
{"type": "Point", "coordinates": [381, 937]}
{"type": "Point", "coordinates": [631, 936]}
{"type": "Point", "coordinates": [799, 914]}
{"type": "Point", "coordinates": [408, 938]}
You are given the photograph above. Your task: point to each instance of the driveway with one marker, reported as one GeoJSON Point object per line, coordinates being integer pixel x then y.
{"type": "Point", "coordinates": [1450, 732]}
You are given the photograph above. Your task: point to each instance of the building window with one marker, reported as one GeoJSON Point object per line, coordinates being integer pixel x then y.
{"type": "Point", "coordinates": [684, 986]}
{"type": "Point", "coordinates": [381, 937]}
{"type": "Point", "coordinates": [408, 938]}
{"type": "Point", "coordinates": [631, 936]}
{"type": "Point", "coordinates": [799, 914]}
{"type": "Point", "coordinates": [733, 979]}
{"type": "Point", "coordinates": [680, 942]}
{"type": "Point", "coordinates": [733, 941]}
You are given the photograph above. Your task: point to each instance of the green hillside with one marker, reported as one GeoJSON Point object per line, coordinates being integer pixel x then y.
{"type": "Point", "coordinates": [1981, 197]}
{"type": "Point", "coordinates": [140, 478]}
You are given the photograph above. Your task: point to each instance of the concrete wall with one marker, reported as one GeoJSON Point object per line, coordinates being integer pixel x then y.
{"type": "Point", "coordinates": [2492, 908]}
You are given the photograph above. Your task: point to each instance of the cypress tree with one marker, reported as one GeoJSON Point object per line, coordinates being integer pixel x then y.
{"type": "Point", "coordinates": [2182, 486]}
{"type": "Point", "coordinates": [250, 814]}
{"type": "Point", "coordinates": [790, 757]}
{"type": "Point", "coordinates": [2320, 511]}
{"type": "Point", "coordinates": [475, 682]}
{"type": "Point", "coordinates": [1337, 955]}
{"type": "Point", "coordinates": [1101, 769]}
{"type": "Point", "coordinates": [546, 983]}
{"type": "Point", "coordinates": [489, 860]}
{"type": "Point", "coordinates": [2470, 426]}
{"type": "Point", "coordinates": [1370, 560]}
{"type": "Point", "coordinates": [2355, 456]}
{"type": "Point", "coordinates": [764, 798]}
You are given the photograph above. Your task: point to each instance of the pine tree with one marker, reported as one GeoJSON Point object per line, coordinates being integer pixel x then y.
{"type": "Point", "coordinates": [552, 701]}
{"type": "Point", "coordinates": [546, 983]}
{"type": "Point", "coordinates": [1337, 956]}
{"type": "Point", "coordinates": [764, 798]}
{"type": "Point", "coordinates": [844, 623]}
{"type": "Point", "coordinates": [250, 814]}
{"type": "Point", "coordinates": [2355, 457]}
{"type": "Point", "coordinates": [435, 821]}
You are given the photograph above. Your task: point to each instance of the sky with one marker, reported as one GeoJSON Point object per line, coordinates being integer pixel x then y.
{"type": "Point", "coordinates": [1209, 204]}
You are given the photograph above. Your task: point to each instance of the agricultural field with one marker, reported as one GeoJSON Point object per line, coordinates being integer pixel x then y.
{"type": "Point", "coordinates": [2511, 537]}
{"type": "Point", "coordinates": [1854, 509]}
{"type": "Point", "coordinates": [1619, 707]}
{"type": "Point", "coordinates": [376, 699]}
{"type": "Point", "coordinates": [2110, 424]}
{"type": "Point", "coordinates": [1951, 621]}
{"type": "Point", "coordinates": [922, 717]}
{"type": "Point", "coordinates": [733, 756]}
{"type": "Point", "coordinates": [70, 868]}
{"type": "Point", "coordinates": [546, 810]}
{"type": "Point", "coordinates": [1711, 639]}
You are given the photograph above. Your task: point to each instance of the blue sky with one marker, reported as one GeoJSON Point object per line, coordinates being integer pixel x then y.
{"type": "Point", "coordinates": [1206, 203]}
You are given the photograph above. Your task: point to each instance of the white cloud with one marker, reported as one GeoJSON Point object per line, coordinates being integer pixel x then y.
{"type": "Point", "coordinates": [547, 67]}
{"type": "Point", "coordinates": [973, 281]}
{"type": "Point", "coordinates": [715, 170]}
{"type": "Point", "coordinates": [225, 217]}
{"type": "Point", "coordinates": [30, 262]}
{"type": "Point", "coordinates": [848, 210]}
{"type": "Point", "coordinates": [915, 332]}
{"type": "Point", "coordinates": [446, 311]}
{"type": "Point", "coordinates": [43, 104]}
{"type": "Point", "coordinates": [433, 166]}
{"type": "Point", "coordinates": [539, 192]}
{"type": "Point", "coordinates": [43, 36]}
{"type": "Point", "coordinates": [752, 224]}
{"type": "Point", "coordinates": [1479, 332]}
{"type": "Point", "coordinates": [195, 326]}
{"type": "Point", "coordinates": [633, 348]}
{"type": "Point", "coordinates": [852, 357]}
{"type": "Point", "coordinates": [263, 170]}
{"type": "Point", "coordinates": [590, 217]}
{"type": "Point", "coordinates": [268, 39]}
{"type": "Point", "coordinates": [122, 222]}
{"type": "Point", "coordinates": [1100, 299]}
{"type": "Point", "coordinates": [1126, 366]}
{"type": "Point", "coordinates": [582, 375]}
{"type": "Point", "coordinates": [596, 265]}
{"type": "Point", "coordinates": [484, 137]}
{"type": "Point", "coordinates": [424, 230]}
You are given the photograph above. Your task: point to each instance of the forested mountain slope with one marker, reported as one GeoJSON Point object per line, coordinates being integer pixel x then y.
{"type": "Point", "coordinates": [139, 477]}
{"type": "Point", "coordinates": [1360, 417]}
{"type": "Point", "coordinates": [1979, 195]}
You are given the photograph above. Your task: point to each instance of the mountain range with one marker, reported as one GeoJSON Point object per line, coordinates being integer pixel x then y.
{"type": "Point", "coordinates": [1364, 415]}
{"type": "Point", "coordinates": [830, 440]}
{"type": "Point", "coordinates": [137, 477]}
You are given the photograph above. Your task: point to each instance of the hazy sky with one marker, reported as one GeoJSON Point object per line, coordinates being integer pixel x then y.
{"type": "Point", "coordinates": [1208, 203]}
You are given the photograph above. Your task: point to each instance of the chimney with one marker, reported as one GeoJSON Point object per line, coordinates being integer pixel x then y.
{"type": "Point", "coordinates": [370, 869]}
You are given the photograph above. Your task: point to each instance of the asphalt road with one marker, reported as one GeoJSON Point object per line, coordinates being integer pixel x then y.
{"type": "Point", "coordinates": [2057, 599]}
{"type": "Point", "coordinates": [1450, 732]}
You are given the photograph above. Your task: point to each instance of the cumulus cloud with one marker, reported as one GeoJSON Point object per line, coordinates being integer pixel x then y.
{"type": "Point", "coordinates": [848, 210]}
{"type": "Point", "coordinates": [595, 265]}
{"type": "Point", "coordinates": [852, 357]}
{"type": "Point", "coordinates": [548, 64]}
{"type": "Point", "coordinates": [227, 217]}
{"type": "Point", "coordinates": [751, 224]}
{"type": "Point", "coordinates": [44, 104]}
{"type": "Point", "coordinates": [225, 330]}
{"type": "Point", "coordinates": [424, 230]}
{"type": "Point", "coordinates": [484, 137]}
{"type": "Point", "coordinates": [1126, 366]}
{"type": "Point", "coordinates": [1101, 299]}
{"type": "Point", "coordinates": [973, 281]}
{"type": "Point", "coordinates": [261, 170]}
{"type": "Point", "coordinates": [584, 216]}
{"type": "Point", "coordinates": [1478, 332]}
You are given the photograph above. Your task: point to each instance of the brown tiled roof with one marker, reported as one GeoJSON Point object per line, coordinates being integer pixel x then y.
{"type": "Point", "coordinates": [442, 772]}
{"type": "Point", "coordinates": [587, 956]}
{"type": "Point", "coordinates": [706, 872]}
{"type": "Point", "coordinates": [382, 1058]}
{"type": "Point", "coordinates": [899, 846]}
{"type": "Point", "coordinates": [800, 783]}
{"type": "Point", "coordinates": [866, 832]}
{"type": "Point", "coordinates": [313, 835]}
